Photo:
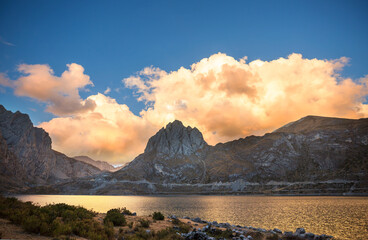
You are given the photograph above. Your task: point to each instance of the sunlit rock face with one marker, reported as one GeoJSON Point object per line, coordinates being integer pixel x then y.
{"type": "Point", "coordinates": [176, 141]}
{"type": "Point", "coordinates": [29, 149]}
{"type": "Point", "coordinates": [174, 154]}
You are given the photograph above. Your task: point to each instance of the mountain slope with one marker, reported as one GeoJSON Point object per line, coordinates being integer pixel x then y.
{"type": "Point", "coordinates": [312, 148]}
{"type": "Point", "coordinates": [27, 155]}
{"type": "Point", "coordinates": [103, 166]}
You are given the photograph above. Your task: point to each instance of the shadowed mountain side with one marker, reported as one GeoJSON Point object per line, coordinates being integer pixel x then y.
{"type": "Point", "coordinates": [103, 166]}
{"type": "Point", "coordinates": [27, 158]}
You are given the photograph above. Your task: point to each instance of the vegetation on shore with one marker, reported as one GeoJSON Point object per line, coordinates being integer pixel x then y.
{"type": "Point", "coordinates": [63, 221]}
{"type": "Point", "coordinates": [54, 220]}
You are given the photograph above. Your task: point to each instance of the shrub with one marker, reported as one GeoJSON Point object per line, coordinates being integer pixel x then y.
{"type": "Point", "coordinates": [130, 225]}
{"type": "Point", "coordinates": [176, 221]}
{"type": "Point", "coordinates": [158, 216]}
{"type": "Point", "coordinates": [115, 217]}
{"type": "Point", "coordinates": [32, 224]}
{"type": "Point", "coordinates": [126, 211]}
{"type": "Point", "coordinates": [144, 223]}
{"type": "Point", "coordinates": [217, 233]}
{"type": "Point", "coordinates": [54, 220]}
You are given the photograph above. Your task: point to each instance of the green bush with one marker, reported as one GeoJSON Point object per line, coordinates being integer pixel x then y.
{"type": "Point", "coordinates": [32, 224]}
{"type": "Point", "coordinates": [116, 217]}
{"type": "Point", "coordinates": [158, 216]}
{"type": "Point", "coordinates": [126, 211]}
{"type": "Point", "coordinates": [144, 223]}
{"type": "Point", "coordinates": [57, 220]}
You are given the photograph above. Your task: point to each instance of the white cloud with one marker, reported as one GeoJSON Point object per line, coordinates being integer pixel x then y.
{"type": "Point", "coordinates": [60, 93]}
{"type": "Point", "coordinates": [107, 91]}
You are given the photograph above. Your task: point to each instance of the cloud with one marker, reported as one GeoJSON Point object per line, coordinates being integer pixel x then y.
{"type": "Point", "coordinates": [5, 81]}
{"type": "Point", "coordinates": [60, 93]}
{"type": "Point", "coordinates": [2, 40]}
{"type": "Point", "coordinates": [225, 98]}
{"type": "Point", "coordinates": [228, 99]}
{"type": "Point", "coordinates": [111, 132]}
{"type": "Point", "coordinates": [108, 90]}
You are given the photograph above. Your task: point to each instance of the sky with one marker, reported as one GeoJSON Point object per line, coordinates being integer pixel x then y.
{"type": "Point", "coordinates": [101, 77]}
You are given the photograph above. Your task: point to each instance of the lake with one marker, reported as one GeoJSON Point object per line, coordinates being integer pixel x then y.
{"type": "Point", "coordinates": [342, 217]}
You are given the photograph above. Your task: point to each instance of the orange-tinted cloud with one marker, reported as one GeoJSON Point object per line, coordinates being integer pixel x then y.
{"type": "Point", "coordinates": [61, 93]}
{"type": "Point", "coordinates": [110, 132]}
{"type": "Point", "coordinates": [227, 99]}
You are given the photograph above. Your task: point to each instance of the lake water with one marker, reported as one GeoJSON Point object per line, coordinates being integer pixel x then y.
{"type": "Point", "coordinates": [342, 217]}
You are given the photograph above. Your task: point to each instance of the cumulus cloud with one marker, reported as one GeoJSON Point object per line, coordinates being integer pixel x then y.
{"type": "Point", "coordinates": [110, 132]}
{"type": "Point", "coordinates": [226, 98]}
{"type": "Point", "coordinates": [61, 93]}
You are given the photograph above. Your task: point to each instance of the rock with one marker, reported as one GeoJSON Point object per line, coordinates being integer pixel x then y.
{"type": "Point", "coordinates": [249, 237]}
{"type": "Point", "coordinates": [173, 217]}
{"type": "Point", "coordinates": [197, 219]}
{"type": "Point", "coordinates": [176, 140]}
{"type": "Point", "coordinates": [309, 235]}
{"type": "Point", "coordinates": [186, 217]}
{"type": "Point", "coordinates": [197, 236]}
{"type": "Point", "coordinates": [300, 231]}
{"type": "Point", "coordinates": [277, 230]}
{"type": "Point", "coordinates": [288, 234]}
{"type": "Point", "coordinates": [134, 214]}
{"type": "Point", "coordinates": [242, 237]}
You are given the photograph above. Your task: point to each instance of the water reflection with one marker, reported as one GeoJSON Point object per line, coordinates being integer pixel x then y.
{"type": "Point", "coordinates": [342, 217]}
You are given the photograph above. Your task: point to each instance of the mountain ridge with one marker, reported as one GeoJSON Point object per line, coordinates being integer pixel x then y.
{"type": "Point", "coordinates": [313, 155]}
{"type": "Point", "coordinates": [27, 151]}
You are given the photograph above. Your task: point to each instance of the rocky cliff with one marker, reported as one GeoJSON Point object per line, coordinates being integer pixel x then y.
{"type": "Point", "coordinates": [27, 157]}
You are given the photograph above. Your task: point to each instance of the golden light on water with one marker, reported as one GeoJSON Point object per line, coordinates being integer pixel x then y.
{"type": "Point", "coordinates": [341, 217]}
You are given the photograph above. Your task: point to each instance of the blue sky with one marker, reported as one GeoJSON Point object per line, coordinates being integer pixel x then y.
{"type": "Point", "coordinates": [222, 95]}
{"type": "Point", "coordinates": [114, 39]}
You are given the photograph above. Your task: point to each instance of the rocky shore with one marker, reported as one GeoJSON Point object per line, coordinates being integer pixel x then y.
{"type": "Point", "coordinates": [237, 232]}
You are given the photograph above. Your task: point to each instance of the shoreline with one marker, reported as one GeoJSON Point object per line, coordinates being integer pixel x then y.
{"type": "Point", "coordinates": [70, 221]}
{"type": "Point", "coordinates": [194, 194]}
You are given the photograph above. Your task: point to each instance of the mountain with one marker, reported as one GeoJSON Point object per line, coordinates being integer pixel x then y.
{"type": "Point", "coordinates": [173, 154]}
{"type": "Point", "coordinates": [314, 155]}
{"type": "Point", "coordinates": [27, 158]}
{"type": "Point", "coordinates": [103, 166]}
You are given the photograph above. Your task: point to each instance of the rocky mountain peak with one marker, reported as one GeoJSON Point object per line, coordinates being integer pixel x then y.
{"type": "Point", "coordinates": [176, 140]}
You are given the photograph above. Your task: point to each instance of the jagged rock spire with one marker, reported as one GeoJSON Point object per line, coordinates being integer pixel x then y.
{"type": "Point", "coordinates": [175, 140]}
